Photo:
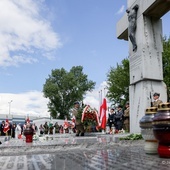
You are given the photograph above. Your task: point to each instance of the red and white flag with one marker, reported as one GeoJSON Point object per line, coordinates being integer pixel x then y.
{"type": "Point", "coordinates": [28, 120]}
{"type": "Point", "coordinates": [65, 125]}
{"type": "Point", "coordinates": [6, 127]}
{"type": "Point", "coordinates": [103, 109]}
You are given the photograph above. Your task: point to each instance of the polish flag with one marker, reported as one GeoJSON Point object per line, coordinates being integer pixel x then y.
{"type": "Point", "coordinates": [66, 125]}
{"type": "Point", "coordinates": [28, 120]}
{"type": "Point", "coordinates": [6, 127]}
{"type": "Point", "coordinates": [103, 109]}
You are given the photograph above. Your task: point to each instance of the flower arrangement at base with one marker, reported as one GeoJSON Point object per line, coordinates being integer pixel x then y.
{"type": "Point", "coordinates": [90, 118]}
{"type": "Point", "coordinates": [115, 131]}
{"type": "Point", "coordinates": [35, 137]}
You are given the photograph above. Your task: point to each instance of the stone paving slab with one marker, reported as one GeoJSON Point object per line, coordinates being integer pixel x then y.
{"type": "Point", "coordinates": [88, 153]}
{"type": "Point", "coordinates": [112, 157]}
{"type": "Point", "coordinates": [53, 143]}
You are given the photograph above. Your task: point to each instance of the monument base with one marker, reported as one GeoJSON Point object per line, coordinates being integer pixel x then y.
{"type": "Point", "coordinates": [141, 95]}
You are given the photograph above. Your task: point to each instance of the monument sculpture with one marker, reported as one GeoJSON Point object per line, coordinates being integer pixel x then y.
{"type": "Point", "coordinates": [132, 16]}
{"type": "Point", "coordinates": [145, 54]}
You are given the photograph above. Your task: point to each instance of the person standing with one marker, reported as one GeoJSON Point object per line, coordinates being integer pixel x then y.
{"type": "Point", "coordinates": [119, 118]}
{"type": "Point", "coordinates": [61, 129]}
{"type": "Point", "coordinates": [46, 128]}
{"type": "Point", "coordinates": [2, 128]}
{"type": "Point", "coordinates": [13, 130]}
{"type": "Point", "coordinates": [51, 127]}
{"type": "Point", "coordinates": [41, 128]}
{"type": "Point", "coordinates": [111, 119]}
{"type": "Point", "coordinates": [156, 101]}
{"type": "Point", "coordinates": [57, 127]}
{"type": "Point", "coordinates": [127, 117]}
{"type": "Point", "coordinates": [6, 127]}
{"type": "Point", "coordinates": [18, 131]}
{"type": "Point", "coordinates": [77, 113]}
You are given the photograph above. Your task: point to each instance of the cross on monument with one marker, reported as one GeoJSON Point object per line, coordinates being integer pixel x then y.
{"type": "Point", "coordinates": [146, 73]}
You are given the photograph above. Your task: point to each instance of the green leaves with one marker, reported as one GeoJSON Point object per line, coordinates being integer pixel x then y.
{"type": "Point", "coordinates": [166, 63]}
{"type": "Point", "coordinates": [132, 137]}
{"type": "Point", "coordinates": [118, 83]}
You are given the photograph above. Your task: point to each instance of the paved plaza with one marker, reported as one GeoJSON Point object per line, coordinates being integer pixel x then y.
{"type": "Point", "coordinates": [67, 152]}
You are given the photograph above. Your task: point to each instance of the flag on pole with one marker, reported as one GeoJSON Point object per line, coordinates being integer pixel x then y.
{"type": "Point", "coordinates": [103, 109]}
{"type": "Point", "coordinates": [27, 119]}
{"type": "Point", "coordinates": [6, 127]}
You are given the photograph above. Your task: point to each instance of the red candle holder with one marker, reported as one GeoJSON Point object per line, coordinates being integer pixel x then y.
{"type": "Point", "coordinates": [28, 133]}
{"type": "Point", "coordinates": [161, 129]}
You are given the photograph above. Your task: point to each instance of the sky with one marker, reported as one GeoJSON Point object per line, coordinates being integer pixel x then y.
{"type": "Point", "coordinates": [38, 36]}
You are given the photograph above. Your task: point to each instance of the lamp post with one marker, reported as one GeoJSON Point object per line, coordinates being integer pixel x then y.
{"type": "Point", "coordinates": [9, 106]}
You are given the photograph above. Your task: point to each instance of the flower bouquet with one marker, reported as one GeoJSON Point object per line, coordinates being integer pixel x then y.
{"type": "Point", "coordinates": [35, 137]}
{"type": "Point", "coordinates": [90, 117]}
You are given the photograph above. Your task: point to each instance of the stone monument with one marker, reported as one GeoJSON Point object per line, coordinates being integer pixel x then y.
{"type": "Point", "coordinates": [145, 54]}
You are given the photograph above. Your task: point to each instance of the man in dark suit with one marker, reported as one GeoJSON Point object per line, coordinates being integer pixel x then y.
{"type": "Point", "coordinates": [119, 118]}
{"type": "Point", "coordinates": [2, 128]}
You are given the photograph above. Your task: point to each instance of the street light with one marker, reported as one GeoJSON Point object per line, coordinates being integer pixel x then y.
{"type": "Point", "coordinates": [9, 106]}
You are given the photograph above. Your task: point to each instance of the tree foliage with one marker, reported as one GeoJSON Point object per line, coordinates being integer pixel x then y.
{"type": "Point", "coordinates": [118, 83]}
{"type": "Point", "coordinates": [166, 63]}
{"type": "Point", "coordinates": [63, 88]}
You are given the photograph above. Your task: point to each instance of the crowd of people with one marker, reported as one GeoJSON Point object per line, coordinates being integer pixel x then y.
{"type": "Point", "coordinates": [119, 119]}
{"type": "Point", "coordinates": [16, 130]}
{"type": "Point", "coordinates": [66, 127]}
{"type": "Point", "coordinates": [12, 129]}
{"type": "Point", "coordinates": [50, 128]}
{"type": "Point", "coordinates": [7, 128]}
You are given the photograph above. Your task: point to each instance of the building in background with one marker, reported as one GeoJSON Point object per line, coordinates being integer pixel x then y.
{"type": "Point", "coordinates": [16, 118]}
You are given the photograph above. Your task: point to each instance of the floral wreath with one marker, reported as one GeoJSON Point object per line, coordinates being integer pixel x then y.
{"type": "Point", "coordinates": [90, 114]}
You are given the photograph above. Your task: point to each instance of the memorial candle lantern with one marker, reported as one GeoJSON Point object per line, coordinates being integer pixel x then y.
{"type": "Point", "coordinates": [28, 132]}
{"type": "Point", "coordinates": [151, 143]}
{"type": "Point", "coordinates": [161, 129]}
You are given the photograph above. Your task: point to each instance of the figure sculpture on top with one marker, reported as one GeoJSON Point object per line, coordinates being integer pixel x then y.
{"type": "Point", "coordinates": [132, 17]}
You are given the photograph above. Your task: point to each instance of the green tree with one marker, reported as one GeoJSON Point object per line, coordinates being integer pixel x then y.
{"type": "Point", "coordinates": [63, 88]}
{"type": "Point", "coordinates": [118, 83]}
{"type": "Point", "coordinates": [166, 63]}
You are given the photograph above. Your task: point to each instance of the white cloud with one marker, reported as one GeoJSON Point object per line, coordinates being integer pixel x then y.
{"type": "Point", "coordinates": [24, 30]}
{"type": "Point", "coordinates": [94, 98]}
{"type": "Point", "coordinates": [32, 103]}
{"type": "Point", "coordinates": [121, 10]}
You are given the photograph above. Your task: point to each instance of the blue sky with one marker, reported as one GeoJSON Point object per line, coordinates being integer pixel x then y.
{"type": "Point", "coordinates": [38, 36]}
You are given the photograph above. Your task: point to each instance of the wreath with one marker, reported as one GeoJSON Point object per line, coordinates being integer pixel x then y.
{"type": "Point", "coordinates": [90, 116]}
